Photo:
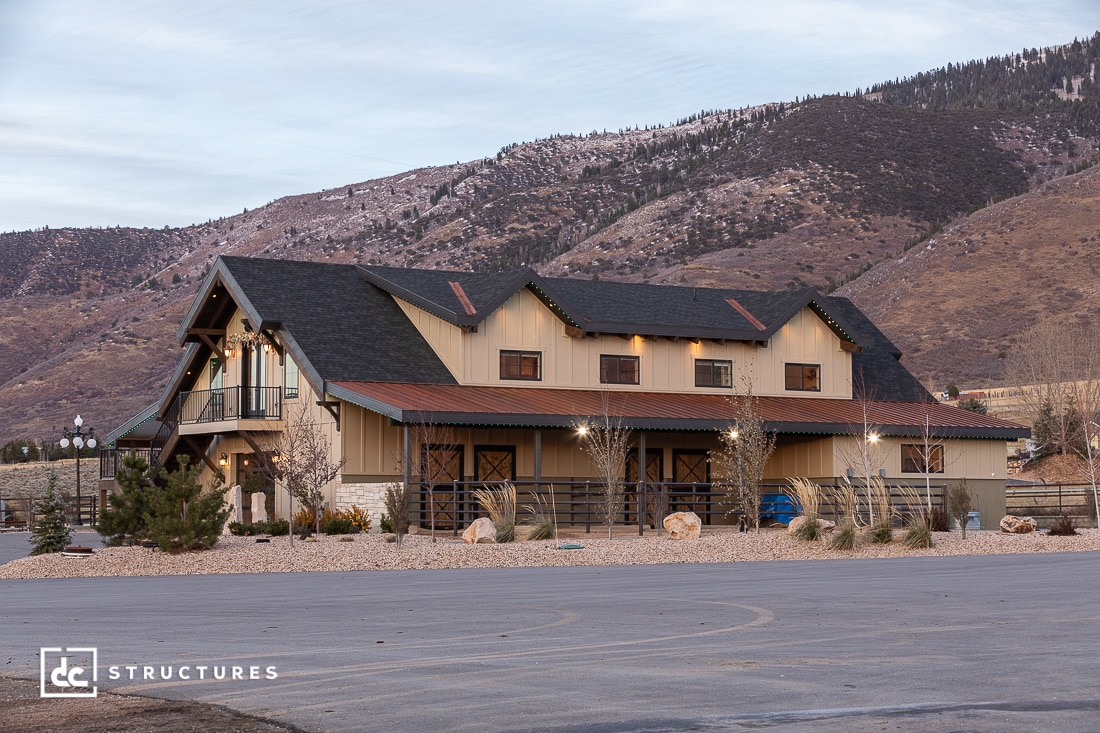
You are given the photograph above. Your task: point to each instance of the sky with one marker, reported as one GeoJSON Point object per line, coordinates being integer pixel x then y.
{"type": "Point", "coordinates": [153, 113]}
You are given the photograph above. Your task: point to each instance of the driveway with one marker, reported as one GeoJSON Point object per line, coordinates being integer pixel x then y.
{"type": "Point", "coordinates": [976, 643]}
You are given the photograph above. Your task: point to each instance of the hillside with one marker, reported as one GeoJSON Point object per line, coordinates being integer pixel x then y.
{"type": "Point", "coordinates": [822, 192]}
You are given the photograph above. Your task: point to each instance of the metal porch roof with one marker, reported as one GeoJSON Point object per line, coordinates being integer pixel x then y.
{"type": "Point", "coordinates": [447, 404]}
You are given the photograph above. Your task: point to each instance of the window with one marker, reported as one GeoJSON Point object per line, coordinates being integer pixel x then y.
{"type": "Point", "coordinates": [713, 373]}
{"type": "Point", "coordinates": [912, 458]}
{"type": "Point", "coordinates": [525, 365]}
{"type": "Point", "coordinates": [803, 377]}
{"type": "Point", "coordinates": [618, 369]}
{"type": "Point", "coordinates": [290, 379]}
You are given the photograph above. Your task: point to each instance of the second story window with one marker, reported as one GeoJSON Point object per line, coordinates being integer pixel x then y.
{"type": "Point", "coordinates": [713, 373]}
{"type": "Point", "coordinates": [290, 379]}
{"type": "Point", "coordinates": [523, 365]}
{"type": "Point", "coordinates": [618, 369]}
{"type": "Point", "coordinates": [803, 377]}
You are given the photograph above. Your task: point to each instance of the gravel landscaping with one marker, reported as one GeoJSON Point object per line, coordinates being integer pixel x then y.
{"type": "Point", "coordinates": [372, 552]}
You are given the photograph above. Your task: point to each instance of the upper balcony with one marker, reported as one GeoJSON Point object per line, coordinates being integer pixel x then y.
{"type": "Point", "coordinates": [231, 408]}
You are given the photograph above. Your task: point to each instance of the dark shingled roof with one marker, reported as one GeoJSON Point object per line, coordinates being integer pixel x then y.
{"type": "Point", "coordinates": [345, 327]}
{"type": "Point", "coordinates": [345, 324]}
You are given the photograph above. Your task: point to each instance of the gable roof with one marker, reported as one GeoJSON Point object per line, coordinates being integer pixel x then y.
{"type": "Point", "coordinates": [342, 323]}
{"type": "Point", "coordinates": [338, 325]}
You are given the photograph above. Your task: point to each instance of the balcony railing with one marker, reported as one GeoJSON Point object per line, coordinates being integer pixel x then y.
{"type": "Point", "coordinates": [231, 403]}
{"type": "Point", "coordinates": [110, 459]}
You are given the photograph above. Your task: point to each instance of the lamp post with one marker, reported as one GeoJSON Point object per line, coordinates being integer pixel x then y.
{"type": "Point", "coordinates": [79, 439]}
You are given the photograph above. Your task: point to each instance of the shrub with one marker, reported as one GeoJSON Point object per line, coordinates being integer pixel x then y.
{"type": "Point", "coordinates": [844, 538]}
{"type": "Point", "coordinates": [938, 520]}
{"type": "Point", "coordinates": [397, 507]}
{"type": "Point", "coordinates": [543, 522]}
{"type": "Point", "coordinates": [51, 533]}
{"type": "Point", "coordinates": [881, 533]}
{"type": "Point", "coordinates": [500, 504]}
{"type": "Point", "coordinates": [304, 520]}
{"type": "Point", "coordinates": [278, 527]}
{"type": "Point", "coordinates": [918, 535]}
{"type": "Point", "coordinates": [959, 502]}
{"type": "Point", "coordinates": [336, 523]}
{"type": "Point", "coordinates": [183, 517]}
{"type": "Point", "coordinates": [122, 522]}
{"type": "Point", "coordinates": [358, 517]}
{"type": "Point", "coordinates": [1064, 526]}
{"type": "Point", "coordinates": [248, 529]}
{"type": "Point", "coordinates": [385, 524]}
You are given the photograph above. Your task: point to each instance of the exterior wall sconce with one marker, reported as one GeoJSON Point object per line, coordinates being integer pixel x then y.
{"type": "Point", "coordinates": [267, 347]}
{"type": "Point", "coordinates": [223, 461]}
{"type": "Point", "coordinates": [228, 352]}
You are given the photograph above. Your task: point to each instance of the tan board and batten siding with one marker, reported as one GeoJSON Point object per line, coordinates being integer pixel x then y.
{"type": "Point", "coordinates": [524, 323]}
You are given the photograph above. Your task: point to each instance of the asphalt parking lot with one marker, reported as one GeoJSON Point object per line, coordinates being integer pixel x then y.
{"type": "Point", "coordinates": [955, 643]}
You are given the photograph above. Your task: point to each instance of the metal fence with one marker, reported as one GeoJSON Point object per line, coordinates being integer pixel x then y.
{"type": "Point", "coordinates": [579, 504]}
{"type": "Point", "coordinates": [1047, 502]}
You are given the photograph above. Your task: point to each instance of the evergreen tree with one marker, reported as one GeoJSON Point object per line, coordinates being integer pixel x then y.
{"type": "Point", "coordinates": [123, 520]}
{"type": "Point", "coordinates": [182, 516]}
{"type": "Point", "coordinates": [51, 532]}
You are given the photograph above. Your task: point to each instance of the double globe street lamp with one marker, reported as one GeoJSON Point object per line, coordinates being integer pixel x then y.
{"type": "Point", "coordinates": [79, 439]}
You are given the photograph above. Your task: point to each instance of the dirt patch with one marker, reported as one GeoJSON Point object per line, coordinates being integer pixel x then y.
{"type": "Point", "coordinates": [21, 709]}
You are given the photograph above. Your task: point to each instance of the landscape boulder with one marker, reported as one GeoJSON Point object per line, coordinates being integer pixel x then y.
{"type": "Point", "coordinates": [823, 524]}
{"type": "Point", "coordinates": [481, 532]}
{"type": "Point", "coordinates": [1012, 524]}
{"type": "Point", "coordinates": [683, 526]}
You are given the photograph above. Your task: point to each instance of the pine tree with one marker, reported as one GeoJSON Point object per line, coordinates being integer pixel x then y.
{"type": "Point", "coordinates": [182, 516]}
{"type": "Point", "coordinates": [123, 521]}
{"type": "Point", "coordinates": [51, 532]}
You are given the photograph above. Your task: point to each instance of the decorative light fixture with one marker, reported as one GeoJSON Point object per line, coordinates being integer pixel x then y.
{"type": "Point", "coordinates": [223, 461]}
{"type": "Point", "coordinates": [267, 347]}
{"type": "Point", "coordinates": [79, 439]}
{"type": "Point", "coordinates": [733, 433]}
{"type": "Point", "coordinates": [228, 352]}
{"type": "Point", "coordinates": [582, 430]}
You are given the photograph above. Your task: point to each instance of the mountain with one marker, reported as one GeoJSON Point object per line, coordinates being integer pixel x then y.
{"type": "Point", "coordinates": [946, 205]}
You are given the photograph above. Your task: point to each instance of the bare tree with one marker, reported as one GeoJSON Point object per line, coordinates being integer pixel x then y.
{"type": "Point", "coordinates": [864, 452]}
{"type": "Point", "coordinates": [300, 458]}
{"type": "Point", "coordinates": [606, 440]}
{"type": "Point", "coordinates": [959, 503]}
{"type": "Point", "coordinates": [1044, 365]}
{"type": "Point", "coordinates": [746, 447]}
{"type": "Point", "coordinates": [435, 446]}
{"type": "Point", "coordinates": [1085, 400]}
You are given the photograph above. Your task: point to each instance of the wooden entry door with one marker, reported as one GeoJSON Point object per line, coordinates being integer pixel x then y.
{"type": "Point", "coordinates": [691, 476]}
{"type": "Point", "coordinates": [495, 462]}
{"type": "Point", "coordinates": [440, 468]}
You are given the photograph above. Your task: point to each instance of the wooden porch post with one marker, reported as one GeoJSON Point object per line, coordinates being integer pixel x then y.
{"type": "Point", "coordinates": [639, 494]}
{"type": "Point", "coordinates": [538, 460]}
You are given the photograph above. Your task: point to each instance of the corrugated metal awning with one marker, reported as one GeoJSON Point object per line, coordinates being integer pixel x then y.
{"type": "Point", "coordinates": [448, 404]}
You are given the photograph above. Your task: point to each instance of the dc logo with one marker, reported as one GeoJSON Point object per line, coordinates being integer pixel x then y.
{"type": "Point", "coordinates": [68, 672]}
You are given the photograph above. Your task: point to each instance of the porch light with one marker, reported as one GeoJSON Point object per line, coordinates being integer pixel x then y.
{"type": "Point", "coordinates": [733, 433]}
{"type": "Point", "coordinates": [223, 460]}
{"type": "Point", "coordinates": [872, 437]}
{"type": "Point", "coordinates": [267, 347]}
{"type": "Point", "coordinates": [228, 352]}
{"type": "Point", "coordinates": [582, 430]}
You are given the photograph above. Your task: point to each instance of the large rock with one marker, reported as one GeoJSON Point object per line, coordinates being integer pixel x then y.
{"type": "Point", "coordinates": [683, 526]}
{"type": "Point", "coordinates": [481, 532]}
{"type": "Point", "coordinates": [1012, 524]}
{"type": "Point", "coordinates": [823, 524]}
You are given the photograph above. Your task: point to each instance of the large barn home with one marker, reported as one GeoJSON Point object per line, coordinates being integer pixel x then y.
{"type": "Point", "coordinates": [508, 365]}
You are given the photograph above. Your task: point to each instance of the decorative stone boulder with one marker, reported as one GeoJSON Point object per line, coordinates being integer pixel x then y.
{"type": "Point", "coordinates": [259, 508]}
{"type": "Point", "coordinates": [823, 524]}
{"type": "Point", "coordinates": [481, 532]}
{"type": "Point", "coordinates": [1012, 524]}
{"type": "Point", "coordinates": [683, 526]}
